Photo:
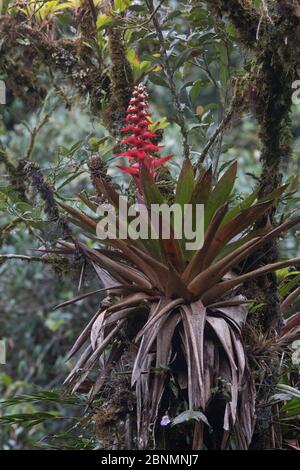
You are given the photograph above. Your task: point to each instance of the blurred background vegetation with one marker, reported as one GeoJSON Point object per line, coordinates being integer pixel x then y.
{"type": "Point", "coordinates": [59, 130]}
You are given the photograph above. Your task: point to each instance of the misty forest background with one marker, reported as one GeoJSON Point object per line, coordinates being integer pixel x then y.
{"type": "Point", "coordinates": [66, 84]}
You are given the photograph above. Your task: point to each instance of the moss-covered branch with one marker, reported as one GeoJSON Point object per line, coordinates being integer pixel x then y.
{"type": "Point", "coordinates": [121, 79]}
{"type": "Point", "coordinates": [28, 50]}
{"type": "Point", "coordinates": [15, 174]}
{"type": "Point", "coordinates": [271, 39]}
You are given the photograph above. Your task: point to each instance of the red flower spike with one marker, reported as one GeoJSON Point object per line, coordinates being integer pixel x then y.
{"type": "Point", "coordinates": [139, 138]}
{"type": "Point", "coordinates": [137, 130]}
{"type": "Point", "coordinates": [131, 140]}
{"type": "Point", "coordinates": [143, 114]}
{"type": "Point", "coordinates": [132, 109]}
{"type": "Point", "coordinates": [134, 101]}
{"type": "Point", "coordinates": [148, 135]}
{"type": "Point", "coordinates": [141, 155]}
{"type": "Point", "coordinates": [130, 153]}
{"type": "Point", "coordinates": [141, 106]}
{"type": "Point", "coordinates": [144, 124]}
{"type": "Point", "coordinates": [132, 118]}
{"type": "Point", "coordinates": [156, 162]}
{"type": "Point", "coordinates": [149, 147]}
{"type": "Point", "coordinates": [129, 128]}
{"type": "Point", "coordinates": [129, 169]}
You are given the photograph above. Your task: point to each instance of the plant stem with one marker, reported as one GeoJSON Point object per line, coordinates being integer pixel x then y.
{"type": "Point", "coordinates": [170, 76]}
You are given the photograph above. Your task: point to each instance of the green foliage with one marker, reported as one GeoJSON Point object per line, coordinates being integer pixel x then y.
{"type": "Point", "coordinates": [38, 417]}
{"type": "Point", "coordinates": [61, 115]}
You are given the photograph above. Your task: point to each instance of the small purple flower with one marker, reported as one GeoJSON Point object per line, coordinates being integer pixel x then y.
{"type": "Point", "coordinates": [165, 420]}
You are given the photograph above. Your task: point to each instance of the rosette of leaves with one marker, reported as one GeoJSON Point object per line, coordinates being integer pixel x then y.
{"type": "Point", "coordinates": [182, 311]}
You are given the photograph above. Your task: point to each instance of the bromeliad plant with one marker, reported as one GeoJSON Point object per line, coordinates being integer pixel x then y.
{"type": "Point", "coordinates": [182, 312]}
{"type": "Point", "coordinates": [142, 148]}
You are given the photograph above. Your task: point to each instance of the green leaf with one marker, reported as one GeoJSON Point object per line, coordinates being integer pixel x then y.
{"type": "Point", "coordinates": [158, 80]}
{"type": "Point", "coordinates": [183, 57]}
{"type": "Point", "coordinates": [202, 188]}
{"type": "Point", "coordinates": [121, 5]}
{"type": "Point", "coordinates": [150, 190]}
{"type": "Point", "coordinates": [276, 194]}
{"type": "Point", "coordinates": [28, 420]}
{"type": "Point", "coordinates": [223, 63]}
{"type": "Point", "coordinates": [288, 286]}
{"type": "Point", "coordinates": [220, 193]}
{"type": "Point", "coordinates": [47, 396]}
{"type": "Point", "coordinates": [103, 20]}
{"type": "Point", "coordinates": [186, 184]}
{"type": "Point", "coordinates": [247, 202]}
{"type": "Point", "coordinates": [160, 124]}
{"type": "Point", "coordinates": [195, 90]}
{"type": "Point", "coordinates": [292, 408]}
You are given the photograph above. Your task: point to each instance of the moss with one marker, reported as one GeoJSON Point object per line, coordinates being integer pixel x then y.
{"type": "Point", "coordinates": [166, 184]}
{"type": "Point", "coordinates": [16, 175]}
{"type": "Point", "coordinates": [120, 71]}
{"type": "Point", "coordinates": [121, 79]}
{"type": "Point", "coordinates": [272, 108]}
{"type": "Point", "coordinates": [60, 264]}
{"type": "Point", "coordinates": [274, 70]}
{"type": "Point", "coordinates": [288, 8]}
{"type": "Point", "coordinates": [35, 180]}
{"type": "Point", "coordinates": [39, 183]}
{"type": "Point", "coordinates": [242, 14]}
{"type": "Point", "coordinates": [28, 50]}
{"type": "Point", "coordinates": [26, 46]}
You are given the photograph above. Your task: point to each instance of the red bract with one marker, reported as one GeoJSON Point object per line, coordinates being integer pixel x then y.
{"type": "Point", "coordinates": [139, 141]}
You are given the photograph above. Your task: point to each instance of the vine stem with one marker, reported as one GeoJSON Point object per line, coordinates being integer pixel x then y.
{"type": "Point", "coordinates": [210, 143]}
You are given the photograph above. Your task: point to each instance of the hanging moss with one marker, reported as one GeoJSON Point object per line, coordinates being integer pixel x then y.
{"type": "Point", "coordinates": [37, 181]}
{"type": "Point", "coordinates": [27, 51]}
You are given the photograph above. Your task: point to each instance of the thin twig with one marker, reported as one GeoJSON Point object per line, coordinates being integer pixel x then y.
{"type": "Point", "coordinates": [220, 129]}
{"type": "Point", "coordinates": [4, 258]}
{"type": "Point", "coordinates": [152, 14]}
{"type": "Point", "coordinates": [170, 74]}
{"type": "Point", "coordinates": [95, 17]}
{"type": "Point", "coordinates": [36, 130]}
{"type": "Point", "coordinates": [42, 356]}
{"type": "Point", "coordinates": [8, 228]}
{"type": "Point", "coordinates": [93, 10]}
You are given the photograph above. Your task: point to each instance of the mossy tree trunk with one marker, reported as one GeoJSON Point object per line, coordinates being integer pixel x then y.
{"type": "Point", "coordinates": [271, 37]}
